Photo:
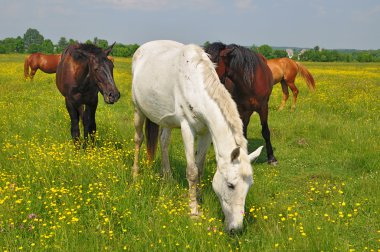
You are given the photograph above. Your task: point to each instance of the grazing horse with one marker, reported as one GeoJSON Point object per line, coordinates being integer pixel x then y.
{"type": "Point", "coordinates": [285, 70]}
{"type": "Point", "coordinates": [176, 86]}
{"type": "Point", "coordinates": [84, 71]}
{"type": "Point", "coordinates": [247, 77]}
{"type": "Point", "coordinates": [46, 62]}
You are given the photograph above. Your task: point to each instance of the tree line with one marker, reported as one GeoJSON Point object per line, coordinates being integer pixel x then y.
{"type": "Point", "coordinates": [318, 54]}
{"type": "Point", "coordinates": [32, 41]}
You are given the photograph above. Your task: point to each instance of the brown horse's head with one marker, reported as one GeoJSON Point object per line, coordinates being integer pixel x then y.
{"type": "Point", "coordinates": [100, 70]}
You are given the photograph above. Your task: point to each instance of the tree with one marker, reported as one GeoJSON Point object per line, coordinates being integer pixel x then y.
{"type": "Point", "coordinates": [121, 50]}
{"type": "Point", "coordinates": [279, 54]}
{"type": "Point", "coordinates": [254, 48]}
{"type": "Point", "coordinates": [12, 45]}
{"type": "Point", "coordinates": [206, 44]}
{"type": "Point", "coordinates": [72, 41]}
{"type": "Point", "coordinates": [102, 43]}
{"type": "Point", "coordinates": [62, 44]}
{"type": "Point", "coordinates": [47, 46]}
{"type": "Point", "coordinates": [265, 50]}
{"type": "Point", "coordinates": [33, 39]}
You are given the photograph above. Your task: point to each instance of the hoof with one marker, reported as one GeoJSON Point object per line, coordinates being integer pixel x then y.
{"type": "Point", "coordinates": [196, 216]}
{"type": "Point", "coordinates": [272, 161]}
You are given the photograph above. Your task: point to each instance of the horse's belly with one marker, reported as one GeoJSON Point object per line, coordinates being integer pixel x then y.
{"type": "Point", "coordinates": [156, 104]}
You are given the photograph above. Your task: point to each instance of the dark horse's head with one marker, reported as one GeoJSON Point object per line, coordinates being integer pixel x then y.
{"type": "Point", "coordinates": [235, 62]}
{"type": "Point", "coordinates": [100, 69]}
{"type": "Point", "coordinates": [213, 50]}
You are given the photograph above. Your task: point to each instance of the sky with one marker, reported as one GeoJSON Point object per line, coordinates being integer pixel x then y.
{"type": "Point", "coordinates": [329, 24]}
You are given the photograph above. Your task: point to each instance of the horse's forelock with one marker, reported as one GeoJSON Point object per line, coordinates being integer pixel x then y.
{"type": "Point", "coordinates": [75, 51]}
{"type": "Point", "coordinates": [91, 48]}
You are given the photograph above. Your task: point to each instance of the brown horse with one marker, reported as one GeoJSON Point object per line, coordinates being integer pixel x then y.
{"type": "Point", "coordinates": [285, 70]}
{"type": "Point", "coordinates": [46, 62]}
{"type": "Point", "coordinates": [85, 70]}
{"type": "Point", "coordinates": [247, 77]}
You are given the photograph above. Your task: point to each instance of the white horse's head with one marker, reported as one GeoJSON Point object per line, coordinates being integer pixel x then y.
{"type": "Point", "coordinates": [231, 183]}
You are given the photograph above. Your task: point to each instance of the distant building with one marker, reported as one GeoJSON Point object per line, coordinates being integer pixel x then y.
{"type": "Point", "coordinates": [290, 53]}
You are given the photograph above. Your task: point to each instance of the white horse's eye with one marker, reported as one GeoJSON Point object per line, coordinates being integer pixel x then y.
{"type": "Point", "coordinates": [231, 186]}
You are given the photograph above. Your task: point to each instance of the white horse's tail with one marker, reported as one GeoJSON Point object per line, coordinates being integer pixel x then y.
{"type": "Point", "coordinates": [151, 133]}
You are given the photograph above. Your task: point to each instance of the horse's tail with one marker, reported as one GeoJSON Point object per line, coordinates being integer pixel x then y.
{"type": "Point", "coordinates": [151, 133]}
{"type": "Point", "coordinates": [306, 75]}
{"type": "Point", "coordinates": [26, 68]}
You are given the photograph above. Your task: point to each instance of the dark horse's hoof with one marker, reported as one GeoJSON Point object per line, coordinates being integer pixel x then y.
{"type": "Point", "coordinates": [272, 161]}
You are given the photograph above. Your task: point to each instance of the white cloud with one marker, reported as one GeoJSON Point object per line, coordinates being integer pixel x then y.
{"type": "Point", "coordinates": [369, 15]}
{"type": "Point", "coordinates": [157, 4]}
{"type": "Point", "coordinates": [244, 4]}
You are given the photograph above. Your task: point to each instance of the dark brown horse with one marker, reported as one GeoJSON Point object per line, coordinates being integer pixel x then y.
{"type": "Point", "coordinates": [85, 70]}
{"type": "Point", "coordinates": [285, 70]}
{"type": "Point", "coordinates": [247, 77]}
{"type": "Point", "coordinates": [47, 63]}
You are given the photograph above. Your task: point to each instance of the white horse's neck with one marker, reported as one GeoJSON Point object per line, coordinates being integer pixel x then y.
{"type": "Point", "coordinates": [222, 136]}
{"type": "Point", "coordinates": [219, 110]}
{"type": "Point", "coordinates": [223, 118]}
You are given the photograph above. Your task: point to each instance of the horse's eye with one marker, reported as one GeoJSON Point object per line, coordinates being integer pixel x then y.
{"type": "Point", "coordinates": [231, 186]}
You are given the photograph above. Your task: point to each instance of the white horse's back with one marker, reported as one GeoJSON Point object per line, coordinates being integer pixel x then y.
{"type": "Point", "coordinates": [165, 81]}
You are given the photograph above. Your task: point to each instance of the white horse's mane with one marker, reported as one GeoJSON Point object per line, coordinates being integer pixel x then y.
{"type": "Point", "coordinates": [220, 95]}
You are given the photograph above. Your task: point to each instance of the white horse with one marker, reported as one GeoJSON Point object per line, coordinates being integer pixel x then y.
{"type": "Point", "coordinates": [176, 86]}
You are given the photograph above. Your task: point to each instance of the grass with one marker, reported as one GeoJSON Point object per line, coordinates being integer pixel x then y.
{"type": "Point", "coordinates": [323, 195]}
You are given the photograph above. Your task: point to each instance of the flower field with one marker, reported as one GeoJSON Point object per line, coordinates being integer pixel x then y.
{"type": "Point", "coordinates": [324, 195]}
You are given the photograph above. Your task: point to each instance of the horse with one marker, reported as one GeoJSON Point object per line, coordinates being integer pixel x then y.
{"type": "Point", "coordinates": [176, 86]}
{"type": "Point", "coordinates": [83, 71]}
{"type": "Point", "coordinates": [285, 70]}
{"type": "Point", "coordinates": [247, 77]}
{"type": "Point", "coordinates": [47, 63]}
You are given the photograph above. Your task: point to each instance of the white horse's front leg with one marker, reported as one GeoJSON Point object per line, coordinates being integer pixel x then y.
{"type": "Point", "coordinates": [191, 170]}
{"type": "Point", "coordinates": [165, 140]}
{"type": "Point", "coordinates": [139, 119]}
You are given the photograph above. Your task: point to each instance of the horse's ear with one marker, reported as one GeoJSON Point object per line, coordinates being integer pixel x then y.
{"type": "Point", "coordinates": [109, 49]}
{"type": "Point", "coordinates": [235, 154]}
{"type": "Point", "coordinates": [225, 52]}
{"type": "Point", "coordinates": [254, 155]}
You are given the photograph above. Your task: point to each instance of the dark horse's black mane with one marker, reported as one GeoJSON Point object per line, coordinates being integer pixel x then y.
{"type": "Point", "coordinates": [214, 49]}
{"type": "Point", "coordinates": [245, 59]}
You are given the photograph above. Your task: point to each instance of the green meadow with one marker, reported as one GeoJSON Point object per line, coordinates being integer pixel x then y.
{"type": "Point", "coordinates": [324, 194]}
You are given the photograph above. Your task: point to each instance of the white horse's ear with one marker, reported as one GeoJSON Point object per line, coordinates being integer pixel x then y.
{"type": "Point", "coordinates": [235, 154]}
{"type": "Point", "coordinates": [255, 154]}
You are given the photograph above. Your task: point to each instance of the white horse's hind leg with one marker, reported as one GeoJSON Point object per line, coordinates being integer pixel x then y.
{"type": "Point", "coordinates": [139, 119]}
{"type": "Point", "coordinates": [191, 169]}
{"type": "Point", "coordinates": [165, 140]}
{"type": "Point", "coordinates": [204, 142]}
